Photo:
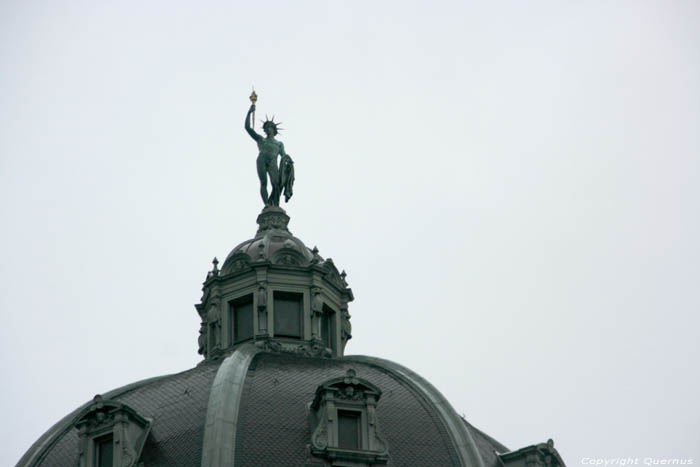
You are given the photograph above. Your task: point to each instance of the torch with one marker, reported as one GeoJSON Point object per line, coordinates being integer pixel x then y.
{"type": "Point", "coordinates": [253, 99]}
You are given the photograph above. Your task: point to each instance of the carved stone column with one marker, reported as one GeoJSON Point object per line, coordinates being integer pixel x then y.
{"type": "Point", "coordinates": [316, 312]}
{"type": "Point", "coordinates": [202, 339]}
{"type": "Point", "coordinates": [345, 326]}
{"type": "Point", "coordinates": [214, 325]}
{"type": "Point", "coordinates": [261, 299]}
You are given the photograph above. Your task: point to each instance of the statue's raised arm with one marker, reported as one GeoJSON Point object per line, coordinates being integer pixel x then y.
{"type": "Point", "coordinates": [248, 128]}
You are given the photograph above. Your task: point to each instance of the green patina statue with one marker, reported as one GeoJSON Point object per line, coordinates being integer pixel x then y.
{"type": "Point", "coordinates": [282, 177]}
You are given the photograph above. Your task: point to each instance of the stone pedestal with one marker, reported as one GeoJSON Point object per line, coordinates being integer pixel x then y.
{"type": "Point", "coordinates": [272, 217]}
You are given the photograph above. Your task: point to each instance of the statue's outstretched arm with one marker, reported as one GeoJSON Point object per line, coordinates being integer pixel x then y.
{"type": "Point", "coordinates": [248, 128]}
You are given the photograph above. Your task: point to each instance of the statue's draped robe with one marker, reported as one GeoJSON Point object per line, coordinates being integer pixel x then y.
{"type": "Point", "coordinates": [286, 176]}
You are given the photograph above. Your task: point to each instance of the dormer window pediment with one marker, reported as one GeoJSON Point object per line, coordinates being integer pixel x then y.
{"type": "Point", "coordinates": [111, 434]}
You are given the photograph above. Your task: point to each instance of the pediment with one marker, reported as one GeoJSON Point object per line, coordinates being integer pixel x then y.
{"type": "Point", "coordinates": [333, 275]}
{"type": "Point", "coordinates": [348, 387]}
{"type": "Point", "coordinates": [125, 429]}
{"type": "Point", "coordinates": [103, 411]}
{"type": "Point", "coordinates": [288, 256]}
{"type": "Point", "coordinates": [237, 262]}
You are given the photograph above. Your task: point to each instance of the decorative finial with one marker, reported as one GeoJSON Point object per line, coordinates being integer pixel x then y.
{"type": "Point", "coordinates": [215, 270]}
{"type": "Point", "coordinates": [350, 377]}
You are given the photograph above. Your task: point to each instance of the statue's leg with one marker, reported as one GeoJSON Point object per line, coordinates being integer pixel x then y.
{"type": "Point", "coordinates": [275, 180]}
{"type": "Point", "coordinates": [262, 175]}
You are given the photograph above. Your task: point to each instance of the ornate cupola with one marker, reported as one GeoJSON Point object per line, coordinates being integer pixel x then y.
{"type": "Point", "coordinates": [276, 292]}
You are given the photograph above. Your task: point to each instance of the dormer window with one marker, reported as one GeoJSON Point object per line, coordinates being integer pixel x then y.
{"type": "Point", "coordinates": [344, 426]}
{"type": "Point", "coordinates": [111, 434]}
{"type": "Point", "coordinates": [288, 314]}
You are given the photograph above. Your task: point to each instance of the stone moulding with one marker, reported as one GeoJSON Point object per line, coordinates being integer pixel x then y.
{"type": "Point", "coordinates": [306, 348]}
{"type": "Point", "coordinates": [219, 444]}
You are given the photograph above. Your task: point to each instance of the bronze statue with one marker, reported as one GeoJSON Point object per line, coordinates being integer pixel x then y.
{"type": "Point", "coordinates": [282, 177]}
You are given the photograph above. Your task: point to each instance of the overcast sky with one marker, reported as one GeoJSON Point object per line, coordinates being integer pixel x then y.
{"type": "Point", "coordinates": [512, 187]}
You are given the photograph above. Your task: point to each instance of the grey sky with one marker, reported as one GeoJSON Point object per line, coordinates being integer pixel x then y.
{"type": "Point", "coordinates": [515, 183]}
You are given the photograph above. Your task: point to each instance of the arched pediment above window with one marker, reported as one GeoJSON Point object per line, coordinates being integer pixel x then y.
{"type": "Point", "coordinates": [288, 256]}
{"type": "Point", "coordinates": [348, 387]}
{"type": "Point", "coordinates": [333, 275]}
{"type": "Point", "coordinates": [111, 433]}
{"type": "Point", "coordinates": [235, 263]}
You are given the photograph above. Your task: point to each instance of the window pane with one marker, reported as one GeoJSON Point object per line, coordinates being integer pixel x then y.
{"type": "Point", "coordinates": [105, 451]}
{"type": "Point", "coordinates": [288, 314]}
{"type": "Point", "coordinates": [242, 319]}
{"type": "Point", "coordinates": [348, 429]}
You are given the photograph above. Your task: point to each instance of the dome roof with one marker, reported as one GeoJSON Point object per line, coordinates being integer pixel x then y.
{"type": "Point", "coordinates": [252, 409]}
{"type": "Point", "coordinates": [275, 386]}
{"type": "Point", "coordinates": [273, 242]}
{"type": "Point", "coordinates": [270, 244]}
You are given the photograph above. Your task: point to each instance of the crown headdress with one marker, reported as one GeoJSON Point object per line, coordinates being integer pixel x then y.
{"type": "Point", "coordinates": [271, 123]}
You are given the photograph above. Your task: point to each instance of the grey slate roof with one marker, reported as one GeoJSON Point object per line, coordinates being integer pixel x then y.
{"type": "Point", "coordinates": [273, 427]}
{"type": "Point", "coordinates": [177, 403]}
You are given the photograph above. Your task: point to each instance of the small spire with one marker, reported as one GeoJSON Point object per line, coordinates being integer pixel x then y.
{"type": "Point", "coordinates": [215, 270]}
